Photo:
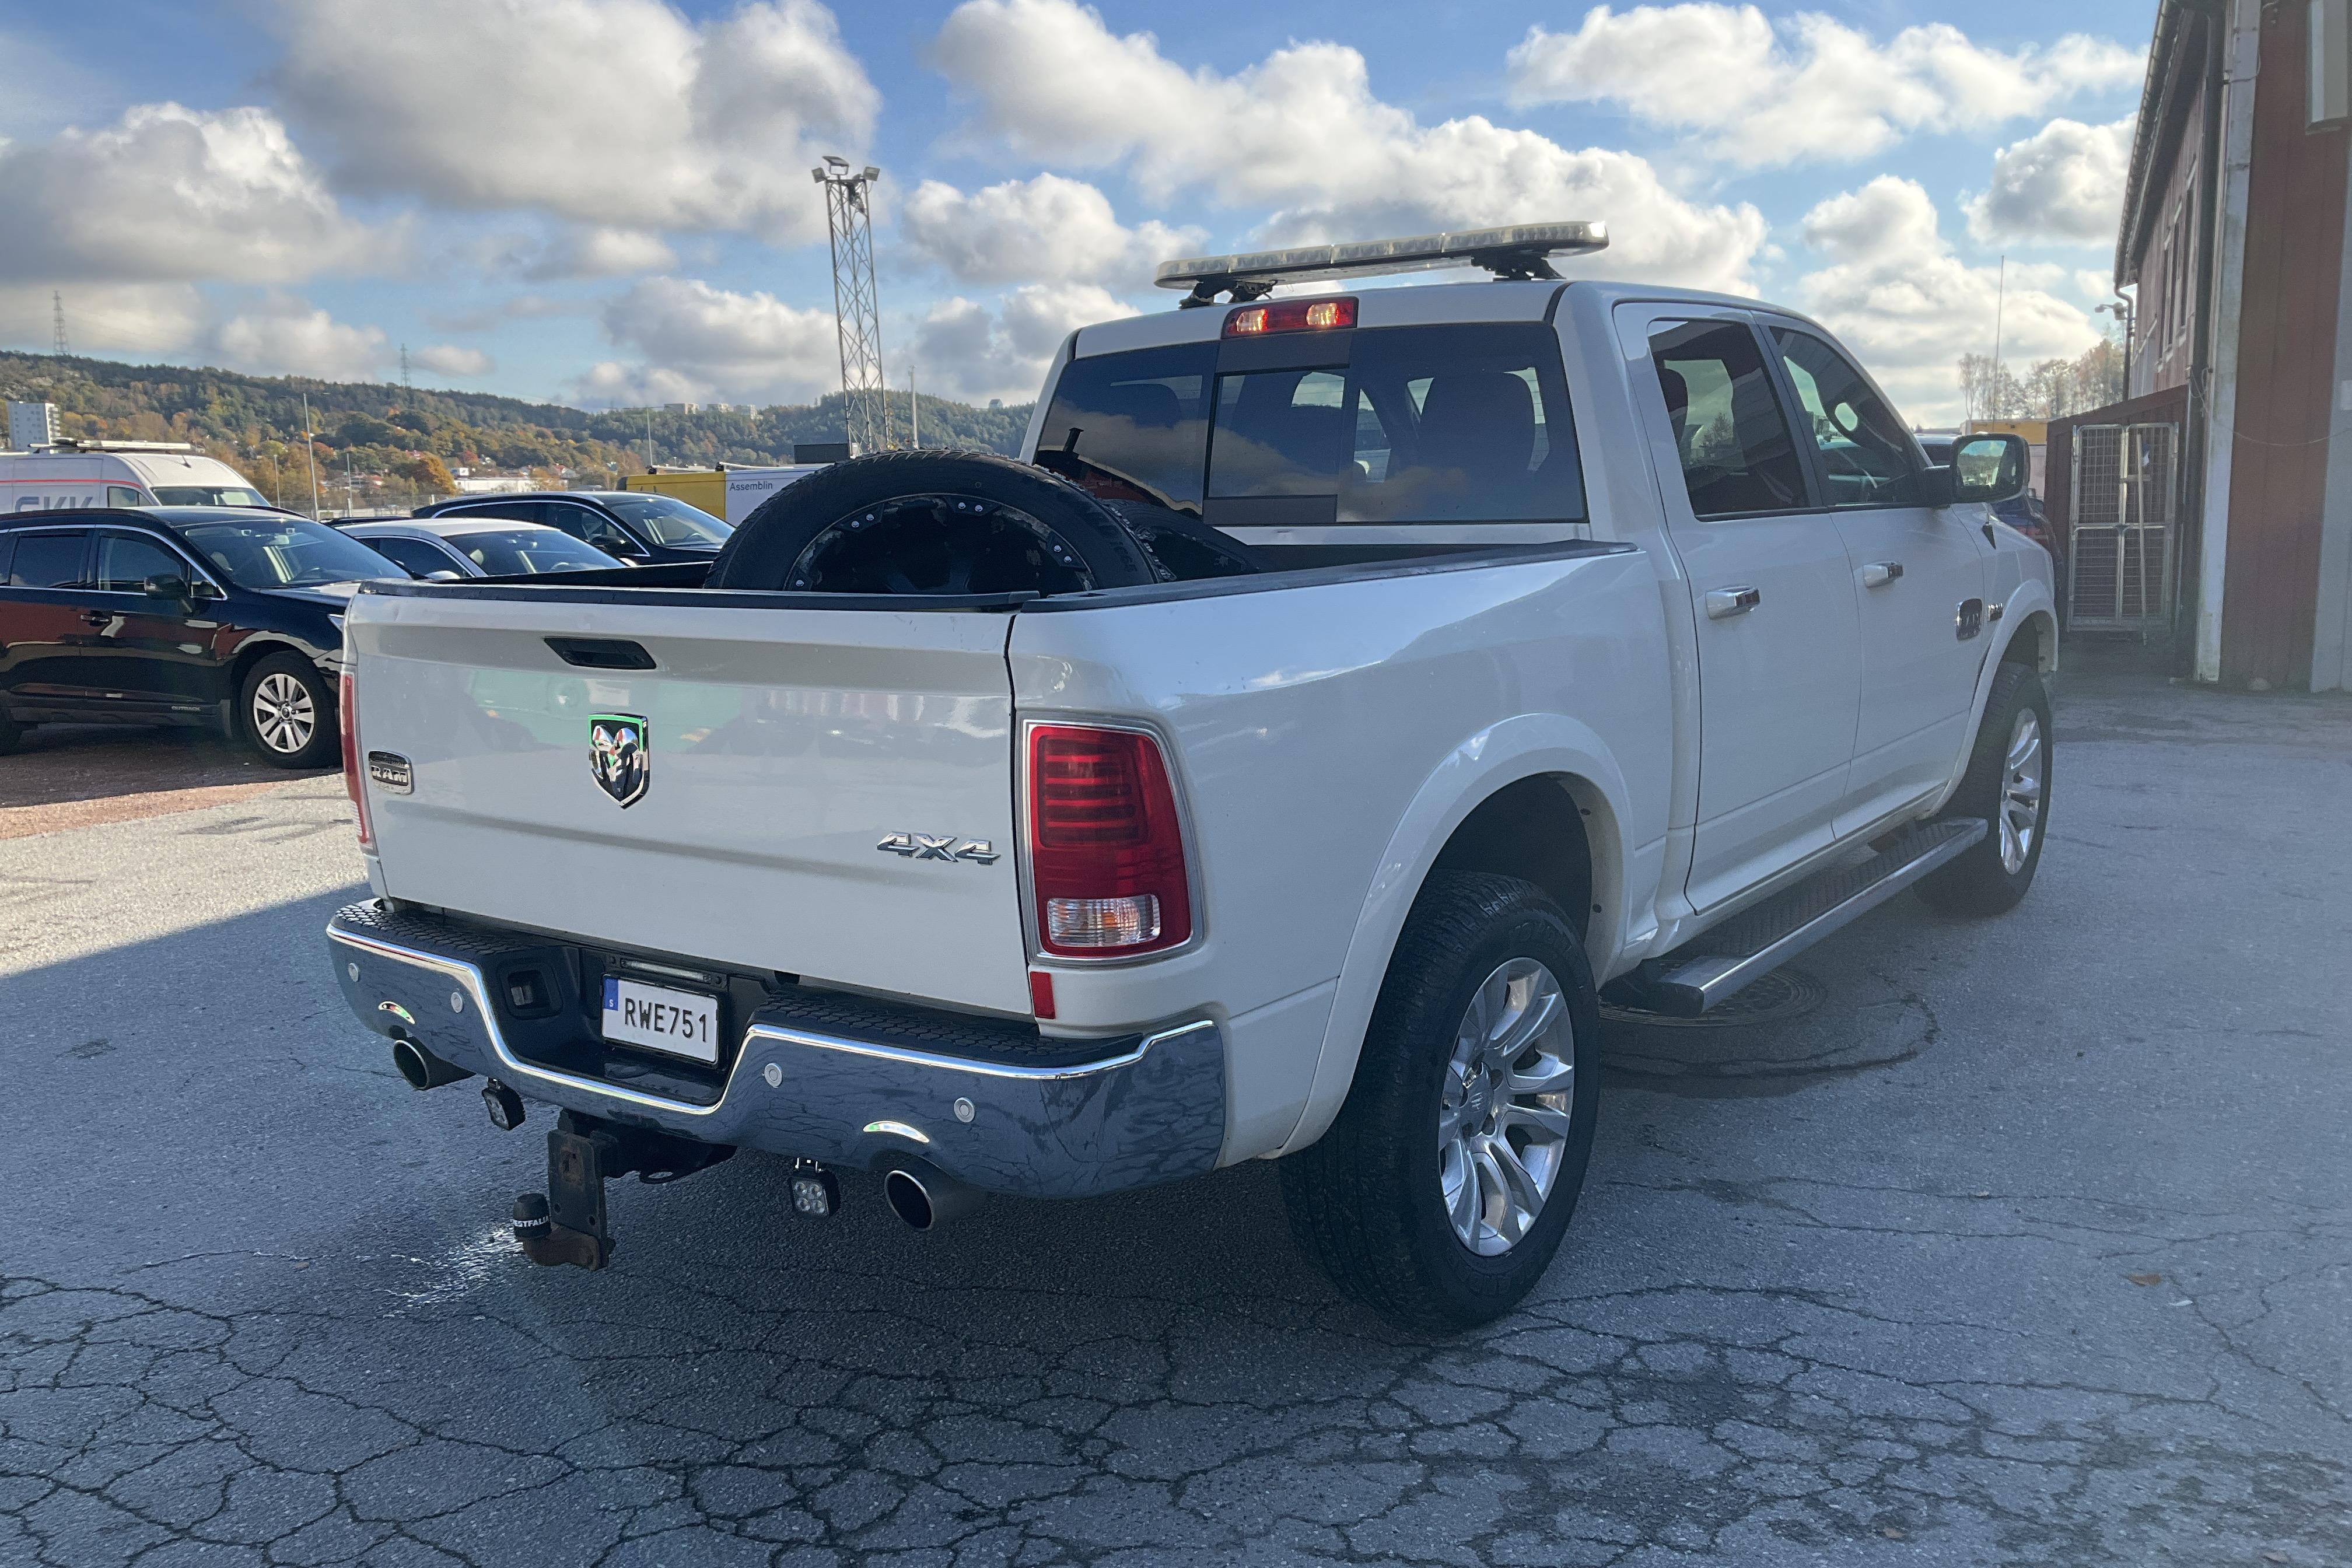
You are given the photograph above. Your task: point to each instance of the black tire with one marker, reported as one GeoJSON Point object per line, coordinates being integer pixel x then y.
{"type": "Point", "coordinates": [1982, 881]}
{"type": "Point", "coordinates": [1367, 1199]}
{"type": "Point", "coordinates": [12, 733]}
{"type": "Point", "coordinates": [288, 730]}
{"type": "Point", "coordinates": [931, 522]}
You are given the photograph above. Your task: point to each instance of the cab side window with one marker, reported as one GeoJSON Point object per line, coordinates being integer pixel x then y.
{"type": "Point", "coordinates": [1865, 451]}
{"type": "Point", "coordinates": [125, 562]}
{"type": "Point", "coordinates": [124, 495]}
{"type": "Point", "coordinates": [1738, 455]}
{"type": "Point", "coordinates": [50, 561]}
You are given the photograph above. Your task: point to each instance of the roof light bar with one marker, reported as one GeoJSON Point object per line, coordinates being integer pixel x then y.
{"type": "Point", "coordinates": [1515, 250]}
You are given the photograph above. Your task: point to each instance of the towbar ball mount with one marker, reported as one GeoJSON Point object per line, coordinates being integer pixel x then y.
{"type": "Point", "coordinates": [567, 1223]}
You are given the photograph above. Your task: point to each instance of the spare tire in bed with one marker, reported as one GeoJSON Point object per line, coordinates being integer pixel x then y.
{"type": "Point", "coordinates": [1181, 545]}
{"type": "Point", "coordinates": [931, 522]}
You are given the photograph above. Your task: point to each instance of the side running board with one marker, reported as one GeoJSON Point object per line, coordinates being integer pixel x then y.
{"type": "Point", "coordinates": [1718, 962]}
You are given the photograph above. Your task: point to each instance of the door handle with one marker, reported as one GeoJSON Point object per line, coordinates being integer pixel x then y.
{"type": "Point", "coordinates": [1879, 573]}
{"type": "Point", "coordinates": [94, 617]}
{"type": "Point", "coordinates": [1722, 604]}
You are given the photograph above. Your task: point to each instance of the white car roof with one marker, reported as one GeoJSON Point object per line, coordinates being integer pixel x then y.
{"type": "Point", "coordinates": [447, 527]}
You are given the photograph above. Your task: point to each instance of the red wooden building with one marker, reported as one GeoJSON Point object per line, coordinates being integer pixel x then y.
{"type": "Point", "coordinates": [2234, 236]}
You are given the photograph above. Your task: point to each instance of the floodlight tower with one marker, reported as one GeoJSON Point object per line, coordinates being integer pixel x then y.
{"type": "Point", "coordinates": [856, 305]}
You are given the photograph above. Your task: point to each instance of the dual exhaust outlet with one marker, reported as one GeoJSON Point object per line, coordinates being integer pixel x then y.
{"type": "Point", "coordinates": [922, 1194]}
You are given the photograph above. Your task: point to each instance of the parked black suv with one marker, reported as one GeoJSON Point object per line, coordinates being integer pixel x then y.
{"type": "Point", "coordinates": [224, 617]}
{"type": "Point", "coordinates": [635, 526]}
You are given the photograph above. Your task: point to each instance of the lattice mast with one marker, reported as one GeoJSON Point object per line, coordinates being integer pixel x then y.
{"type": "Point", "coordinates": [856, 303]}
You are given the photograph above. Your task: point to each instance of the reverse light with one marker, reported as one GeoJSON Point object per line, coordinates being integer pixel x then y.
{"type": "Point", "coordinates": [347, 719]}
{"type": "Point", "coordinates": [1106, 846]}
{"type": "Point", "coordinates": [1291, 316]}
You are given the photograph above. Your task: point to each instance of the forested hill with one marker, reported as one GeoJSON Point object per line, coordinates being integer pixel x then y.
{"type": "Point", "coordinates": [250, 420]}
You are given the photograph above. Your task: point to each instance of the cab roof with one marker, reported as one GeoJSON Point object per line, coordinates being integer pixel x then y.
{"type": "Point", "coordinates": [1402, 305]}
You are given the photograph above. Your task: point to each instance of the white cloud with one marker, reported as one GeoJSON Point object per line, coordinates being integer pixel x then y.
{"type": "Point", "coordinates": [1301, 131]}
{"type": "Point", "coordinates": [696, 342]}
{"type": "Point", "coordinates": [1040, 230]}
{"type": "Point", "coordinates": [288, 336]}
{"type": "Point", "coordinates": [2062, 185]}
{"type": "Point", "coordinates": [967, 350]}
{"type": "Point", "coordinates": [1895, 294]}
{"type": "Point", "coordinates": [141, 317]}
{"type": "Point", "coordinates": [450, 359]}
{"type": "Point", "coordinates": [596, 251]}
{"type": "Point", "coordinates": [173, 195]}
{"type": "Point", "coordinates": [1808, 87]}
{"type": "Point", "coordinates": [606, 111]}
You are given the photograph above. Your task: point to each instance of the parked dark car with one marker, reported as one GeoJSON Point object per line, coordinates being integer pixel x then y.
{"type": "Point", "coordinates": [465, 546]}
{"type": "Point", "coordinates": [635, 526]}
{"type": "Point", "coordinates": [2024, 514]}
{"type": "Point", "coordinates": [227, 617]}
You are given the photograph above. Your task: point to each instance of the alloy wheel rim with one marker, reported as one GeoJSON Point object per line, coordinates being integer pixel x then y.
{"type": "Point", "coordinates": [1506, 1106]}
{"type": "Point", "coordinates": [2019, 812]}
{"type": "Point", "coordinates": [283, 714]}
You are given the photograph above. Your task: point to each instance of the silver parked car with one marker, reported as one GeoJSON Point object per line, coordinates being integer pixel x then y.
{"type": "Point", "coordinates": [446, 548]}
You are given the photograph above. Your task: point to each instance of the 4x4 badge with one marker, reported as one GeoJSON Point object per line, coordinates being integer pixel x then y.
{"type": "Point", "coordinates": [620, 755]}
{"type": "Point", "coordinates": [938, 847]}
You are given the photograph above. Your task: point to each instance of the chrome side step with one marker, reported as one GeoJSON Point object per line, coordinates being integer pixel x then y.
{"type": "Point", "coordinates": [1717, 964]}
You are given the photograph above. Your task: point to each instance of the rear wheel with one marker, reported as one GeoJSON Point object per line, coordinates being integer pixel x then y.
{"type": "Point", "coordinates": [931, 522]}
{"type": "Point", "coordinates": [286, 712]}
{"type": "Point", "coordinates": [11, 734]}
{"type": "Point", "coordinates": [1441, 1191]}
{"type": "Point", "coordinates": [2006, 785]}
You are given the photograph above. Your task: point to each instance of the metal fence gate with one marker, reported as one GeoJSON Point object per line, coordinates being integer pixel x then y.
{"type": "Point", "coordinates": [2120, 544]}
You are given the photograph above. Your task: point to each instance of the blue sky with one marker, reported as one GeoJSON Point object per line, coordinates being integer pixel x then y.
{"type": "Point", "coordinates": [605, 201]}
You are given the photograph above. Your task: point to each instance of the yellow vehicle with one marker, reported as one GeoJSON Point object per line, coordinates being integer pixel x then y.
{"type": "Point", "coordinates": [704, 488]}
{"type": "Point", "coordinates": [728, 493]}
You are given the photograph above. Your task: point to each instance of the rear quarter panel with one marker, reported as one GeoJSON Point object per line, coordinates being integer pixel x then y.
{"type": "Point", "coordinates": [1327, 740]}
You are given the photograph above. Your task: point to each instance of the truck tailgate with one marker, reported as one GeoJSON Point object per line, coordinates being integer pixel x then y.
{"type": "Point", "coordinates": [783, 746]}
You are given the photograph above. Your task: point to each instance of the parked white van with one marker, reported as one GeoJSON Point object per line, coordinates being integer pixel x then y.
{"type": "Point", "coordinates": [125, 474]}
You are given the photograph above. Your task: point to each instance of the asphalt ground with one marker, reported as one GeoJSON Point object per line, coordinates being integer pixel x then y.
{"type": "Point", "coordinates": [2025, 1241]}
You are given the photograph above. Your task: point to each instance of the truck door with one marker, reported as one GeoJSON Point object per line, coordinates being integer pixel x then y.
{"type": "Point", "coordinates": [1916, 570]}
{"type": "Point", "coordinates": [1771, 596]}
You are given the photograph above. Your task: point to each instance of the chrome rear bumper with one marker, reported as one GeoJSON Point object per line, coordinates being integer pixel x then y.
{"type": "Point", "coordinates": [813, 1073]}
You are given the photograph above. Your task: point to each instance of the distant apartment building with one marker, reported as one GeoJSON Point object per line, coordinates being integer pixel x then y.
{"type": "Point", "coordinates": [2234, 239]}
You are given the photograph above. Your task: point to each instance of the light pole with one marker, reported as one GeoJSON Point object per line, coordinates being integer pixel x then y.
{"type": "Point", "coordinates": [856, 301]}
{"type": "Point", "coordinates": [2121, 309]}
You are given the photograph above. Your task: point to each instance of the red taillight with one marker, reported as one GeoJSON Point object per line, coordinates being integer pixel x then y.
{"type": "Point", "coordinates": [347, 717]}
{"type": "Point", "coordinates": [1291, 316]}
{"type": "Point", "coordinates": [1106, 849]}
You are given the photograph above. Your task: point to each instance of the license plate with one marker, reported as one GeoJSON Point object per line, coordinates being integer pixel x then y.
{"type": "Point", "coordinates": [682, 1022]}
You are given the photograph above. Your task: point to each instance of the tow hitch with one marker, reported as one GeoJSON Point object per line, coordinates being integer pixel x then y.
{"type": "Point", "coordinates": [566, 1224]}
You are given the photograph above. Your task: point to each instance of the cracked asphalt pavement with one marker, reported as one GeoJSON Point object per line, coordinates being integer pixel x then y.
{"type": "Point", "coordinates": [2017, 1242]}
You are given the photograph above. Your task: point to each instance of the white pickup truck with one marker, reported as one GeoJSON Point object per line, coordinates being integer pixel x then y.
{"type": "Point", "coordinates": [1374, 678]}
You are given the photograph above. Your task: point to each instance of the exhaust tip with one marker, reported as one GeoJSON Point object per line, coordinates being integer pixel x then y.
{"type": "Point", "coordinates": [926, 1197]}
{"type": "Point", "coordinates": [421, 1067]}
{"type": "Point", "coordinates": [910, 1199]}
{"type": "Point", "coordinates": [412, 1063]}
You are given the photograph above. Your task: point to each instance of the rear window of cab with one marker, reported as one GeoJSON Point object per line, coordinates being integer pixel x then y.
{"type": "Point", "coordinates": [1459, 423]}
